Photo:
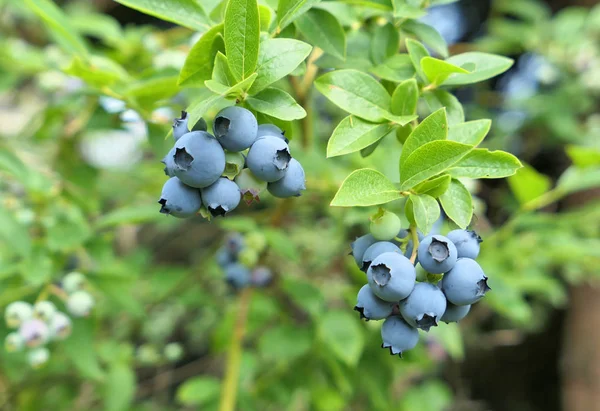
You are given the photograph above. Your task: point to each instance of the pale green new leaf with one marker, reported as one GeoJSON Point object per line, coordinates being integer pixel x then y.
{"type": "Point", "coordinates": [528, 184]}
{"type": "Point", "coordinates": [199, 63]}
{"type": "Point", "coordinates": [435, 186]}
{"type": "Point", "coordinates": [437, 71]}
{"type": "Point", "coordinates": [482, 163]}
{"type": "Point", "coordinates": [365, 187]}
{"type": "Point", "coordinates": [242, 35]}
{"type": "Point", "coordinates": [485, 66]}
{"type": "Point", "coordinates": [427, 35]}
{"type": "Point", "coordinates": [417, 52]}
{"type": "Point", "coordinates": [433, 127]}
{"type": "Point", "coordinates": [577, 179]}
{"type": "Point", "coordinates": [276, 103]}
{"type": "Point", "coordinates": [265, 15]}
{"type": "Point", "coordinates": [323, 30]}
{"type": "Point", "coordinates": [425, 211]}
{"type": "Point", "coordinates": [353, 134]}
{"type": "Point", "coordinates": [471, 132]}
{"type": "Point", "coordinates": [458, 204]}
{"type": "Point", "coordinates": [186, 13]}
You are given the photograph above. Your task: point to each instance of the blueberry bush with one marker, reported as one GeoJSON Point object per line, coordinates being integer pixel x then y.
{"type": "Point", "coordinates": [430, 167]}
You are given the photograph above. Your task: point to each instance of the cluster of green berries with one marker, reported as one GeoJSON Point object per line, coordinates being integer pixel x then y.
{"type": "Point", "coordinates": [149, 354]}
{"type": "Point", "coordinates": [41, 323]}
{"type": "Point", "coordinates": [239, 257]}
{"type": "Point", "coordinates": [454, 281]}
{"type": "Point", "coordinates": [212, 174]}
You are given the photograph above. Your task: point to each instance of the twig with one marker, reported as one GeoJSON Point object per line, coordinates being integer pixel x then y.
{"type": "Point", "coordinates": [415, 240]}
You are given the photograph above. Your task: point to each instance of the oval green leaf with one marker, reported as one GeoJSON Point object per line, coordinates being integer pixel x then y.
{"type": "Point", "coordinates": [365, 187]}
{"type": "Point", "coordinates": [353, 134]}
{"type": "Point", "coordinates": [458, 204]}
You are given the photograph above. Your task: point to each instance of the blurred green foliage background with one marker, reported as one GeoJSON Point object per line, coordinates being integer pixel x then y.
{"type": "Point", "coordinates": [80, 177]}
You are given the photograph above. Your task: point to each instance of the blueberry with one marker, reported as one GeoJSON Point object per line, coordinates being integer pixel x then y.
{"type": "Point", "coordinates": [455, 313]}
{"type": "Point", "coordinates": [261, 276]}
{"type": "Point", "coordinates": [235, 128]}
{"type": "Point", "coordinates": [169, 162]}
{"type": "Point", "coordinates": [234, 163]}
{"type": "Point", "coordinates": [235, 242]}
{"type": "Point", "coordinates": [466, 242]}
{"type": "Point", "coordinates": [269, 158]}
{"type": "Point", "coordinates": [398, 336]}
{"type": "Point", "coordinates": [424, 307]}
{"type": "Point", "coordinates": [376, 250]}
{"type": "Point", "coordinates": [80, 303]}
{"type": "Point", "coordinates": [466, 283]}
{"type": "Point", "coordinates": [250, 186]}
{"type": "Point", "coordinates": [173, 351]}
{"type": "Point", "coordinates": [180, 126]}
{"type": "Point", "coordinates": [359, 246]}
{"type": "Point", "coordinates": [221, 197]}
{"type": "Point", "coordinates": [16, 313]}
{"type": "Point", "coordinates": [179, 200]}
{"type": "Point", "coordinates": [291, 184]}
{"type": "Point", "coordinates": [391, 276]}
{"type": "Point", "coordinates": [72, 282]}
{"type": "Point", "coordinates": [237, 275]}
{"type": "Point", "coordinates": [60, 326]}
{"type": "Point", "coordinates": [224, 257]}
{"type": "Point", "coordinates": [370, 306]}
{"type": "Point", "coordinates": [409, 245]}
{"type": "Point", "coordinates": [199, 159]}
{"type": "Point", "coordinates": [44, 310]}
{"type": "Point", "coordinates": [34, 332]}
{"type": "Point", "coordinates": [13, 342]}
{"type": "Point", "coordinates": [271, 130]}
{"type": "Point", "coordinates": [437, 254]}
{"type": "Point", "coordinates": [385, 225]}
{"type": "Point", "coordinates": [38, 357]}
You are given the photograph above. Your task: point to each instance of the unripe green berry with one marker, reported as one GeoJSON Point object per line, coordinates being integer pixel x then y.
{"type": "Point", "coordinates": [13, 342]}
{"type": "Point", "coordinates": [173, 352]}
{"type": "Point", "coordinates": [44, 310]}
{"type": "Point", "coordinates": [148, 354]}
{"type": "Point", "coordinates": [38, 357]}
{"type": "Point", "coordinates": [256, 241]}
{"type": "Point", "coordinates": [234, 163]}
{"type": "Point", "coordinates": [17, 313]}
{"type": "Point", "coordinates": [248, 257]}
{"type": "Point", "coordinates": [385, 225]}
{"type": "Point", "coordinates": [80, 303]}
{"type": "Point", "coordinates": [73, 281]}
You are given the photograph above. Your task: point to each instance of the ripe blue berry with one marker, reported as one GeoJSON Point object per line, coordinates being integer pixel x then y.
{"type": "Point", "coordinates": [60, 326]}
{"type": "Point", "coordinates": [261, 276]}
{"type": "Point", "coordinates": [13, 342]}
{"type": "Point", "coordinates": [224, 257]}
{"type": "Point", "coordinates": [237, 275]}
{"type": "Point", "coordinates": [199, 159]}
{"type": "Point", "coordinates": [180, 126]}
{"type": "Point", "coordinates": [466, 242]}
{"type": "Point", "coordinates": [17, 313]}
{"type": "Point", "coordinates": [221, 197]}
{"type": "Point", "coordinates": [235, 128]}
{"type": "Point", "coordinates": [376, 250]}
{"type": "Point", "coordinates": [385, 225]}
{"type": "Point", "coordinates": [34, 332]}
{"type": "Point", "coordinates": [268, 158]}
{"type": "Point", "coordinates": [359, 246]}
{"type": "Point", "coordinates": [455, 313]}
{"type": "Point", "coordinates": [80, 304]}
{"type": "Point", "coordinates": [235, 243]}
{"type": "Point", "coordinates": [466, 283]}
{"type": "Point", "coordinates": [391, 276]}
{"type": "Point", "coordinates": [398, 336]}
{"type": "Point", "coordinates": [291, 184]}
{"type": "Point", "coordinates": [179, 200]}
{"type": "Point", "coordinates": [424, 306]}
{"type": "Point", "coordinates": [370, 306]}
{"type": "Point", "coordinates": [169, 162]}
{"type": "Point", "coordinates": [72, 282]}
{"type": "Point", "coordinates": [271, 130]}
{"type": "Point", "coordinates": [437, 254]}
{"type": "Point", "coordinates": [44, 310]}
{"type": "Point", "coordinates": [38, 357]}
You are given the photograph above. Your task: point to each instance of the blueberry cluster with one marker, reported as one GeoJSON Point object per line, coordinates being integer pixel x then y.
{"type": "Point", "coordinates": [239, 258]}
{"type": "Point", "coordinates": [393, 293]}
{"type": "Point", "coordinates": [40, 323]}
{"type": "Point", "coordinates": [239, 161]}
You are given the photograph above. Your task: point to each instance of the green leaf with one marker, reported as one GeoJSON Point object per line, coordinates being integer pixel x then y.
{"type": "Point", "coordinates": [221, 72]}
{"type": "Point", "coordinates": [429, 160]}
{"type": "Point", "coordinates": [284, 343]}
{"type": "Point", "coordinates": [577, 179]}
{"type": "Point", "coordinates": [130, 214]}
{"type": "Point", "coordinates": [365, 187]}
{"type": "Point", "coordinates": [584, 156]}
{"type": "Point", "coordinates": [486, 66]}
{"type": "Point", "coordinates": [437, 99]}
{"type": "Point", "coordinates": [154, 88]}
{"type": "Point", "coordinates": [434, 187]}
{"type": "Point", "coordinates": [197, 391]}
{"type": "Point", "coordinates": [14, 233]}
{"type": "Point", "coordinates": [384, 5]}
{"type": "Point", "coordinates": [417, 51]}
{"type": "Point", "coordinates": [384, 43]}
{"type": "Point", "coordinates": [450, 337]}
{"type": "Point", "coordinates": [242, 35]}
{"type": "Point", "coordinates": [59, 25]}
{"type": "Point", "coordinates": [437, 71]}
{"type": "Point", "coordinates": [402, 9]}
{"type": "Point", "coordinates": [276, 103]}
{"type": "Point", "coordinates": [397, 68]}
{"type": "Point", "coordinates": [201, 104]}
{"type": "Point", "coordinates": [433, 127]}
{"type": "Point", "coordinates": [323, 30]}
{"type": "Point", "coordinates": [339, 331]}
{"type": "Point", "coordinates": [276, 59]}
{"type": "Point", "coordinates": [290, 10]}
{"type": "Point", "coordinates": [405, 97]}
{"type": "Point", "coordinates": [458, 204]}
{"type": "Point", "coordinates": [425, 211]}
{"type": "Point", "coordinates": [79, 348]}
{"type": "Point", "coordinates": [353, 134]}
{"type": "Point", "coordinates": [186, 13]}
{"type": "Point", "coordinates": [427, 35]}
{"type": "Point", "coordinates": [528, 184]}
{"type": "Point", "coordinates": [199, 63]}
{"type": "Point", "coordinates": [482, 163]}
{"type": "Point", "coordinates": [97, 71]}
{"type": "Point", "coordinates": [471, 132]}
{"type": "Point", "coordinates": [119, 387]}
{"type": "Point", "coordinates": [355, 92]}
{"type": "Point", "coordinates": [265, 16]}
